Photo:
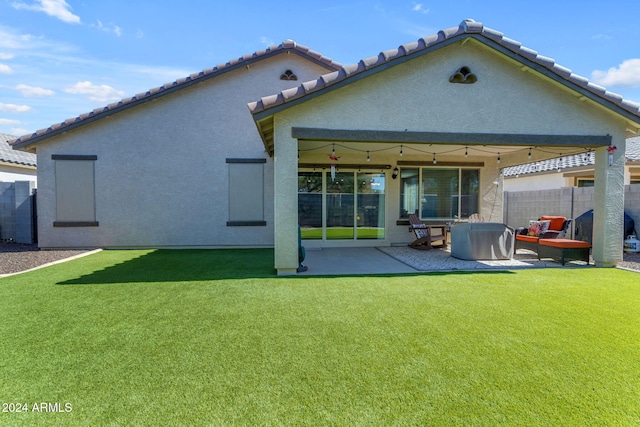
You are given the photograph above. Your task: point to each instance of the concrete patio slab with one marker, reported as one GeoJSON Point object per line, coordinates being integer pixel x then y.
{"type": "Point", "coordinates": [402, 259]}
{"type": "Point", "coordinates": [334, 261]}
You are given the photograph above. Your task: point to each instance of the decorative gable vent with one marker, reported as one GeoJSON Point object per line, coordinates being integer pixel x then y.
{"type": "Point", "coordinates": [288, 75]}
{"type": "Point", "coordinates": [463, 75]}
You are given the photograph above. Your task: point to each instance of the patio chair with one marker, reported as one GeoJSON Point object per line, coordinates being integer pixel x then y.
{"type": "Point", "coordinates": [426, 235]}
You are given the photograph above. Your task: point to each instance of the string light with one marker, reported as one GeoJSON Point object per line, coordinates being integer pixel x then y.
{"type": "Point", "coordinates": [333, 150]}
{"type": "Point", "coordinates": [434, 159]}
{"type": "Point", "coordinates": [529, 153]}
{"type": "Point", "coordinates": [401, 151]}
{"type": "Point", "coordinates": [368, 158]}
{"type": "Point", "coordinates": [498, 158]}
{"type": "Point", "coordinates": [466, 152]}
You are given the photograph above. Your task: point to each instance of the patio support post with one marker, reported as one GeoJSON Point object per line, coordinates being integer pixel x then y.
{"type": "Point", "coordinates": [285, 184]}
{"type": "Point", "coordinates": [608, 212]}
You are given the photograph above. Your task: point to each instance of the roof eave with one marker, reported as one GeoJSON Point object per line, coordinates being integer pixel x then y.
{"type": "Point", "coordinates": [156, 93]}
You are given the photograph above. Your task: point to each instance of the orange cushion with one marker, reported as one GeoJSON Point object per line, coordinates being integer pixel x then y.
{"type": "Point", "coordinates": [556, 221]}
{"type": "Point", "coordinates": [526, 238]}
{"type": "Point", "coordinates": [564, 243]}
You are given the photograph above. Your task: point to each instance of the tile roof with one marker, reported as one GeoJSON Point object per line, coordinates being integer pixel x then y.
{"type": "Point", "coordinates": [632, 153]}
{"type": "Point", "coordinates": [9, 155]}
{"type": "Point", "coordinates": [564, 162]}
{"type": "Point", "coordinates": [286, 46]}
{"type": "Point", "coordinates": [467, 28]}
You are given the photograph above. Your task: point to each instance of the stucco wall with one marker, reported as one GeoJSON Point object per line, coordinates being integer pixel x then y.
{"type": "Point", "coordinates": [161, 174]}
{"type": "Point", "coordinates": [10, 173]}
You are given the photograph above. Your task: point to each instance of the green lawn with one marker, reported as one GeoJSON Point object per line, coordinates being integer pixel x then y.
{"type": "Point", "coordinates": [343, 233]}
{"type": "Point", "coordinates": [212, 337]}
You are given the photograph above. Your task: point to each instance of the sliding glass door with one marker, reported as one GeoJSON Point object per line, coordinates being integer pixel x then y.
{"type": "Point", "coordinates": [346, 206]}
{"type": "Point", "coordinates": [371, 206]}
{"type": "Point", "coordinates": [340, 203]}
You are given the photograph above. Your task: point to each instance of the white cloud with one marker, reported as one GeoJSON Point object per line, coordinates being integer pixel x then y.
{"type": "Point", "coordinates": [266, 41]}
{"type": "Point", "coordinates": [110, 28]}
{"type": "Point", "coordinates": [4, 122]}
{"type": "Point", "coordinates": [20, 131]}
{"type": "Point", "coordinates": [626, 74]}
{"type": "Point", "coordinates": [10, 39]}
{"type": "Point", "coordinates": [56, 8]}
{"type": "Point", "coordinates": [419, 7]}
{"type": "Point", "coordinates": [97, 93]}
{"type": "Point", "coordinates": [5, 69]}
{"type": "Point", "coordinates": [13, 108]}
{"type": "Point", "coordinates": [33, 92]}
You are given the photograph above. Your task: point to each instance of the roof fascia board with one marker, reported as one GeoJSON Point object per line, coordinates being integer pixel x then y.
{"type": "Point", "coordinates": [17, 165]}
{"type": "Point", "coordinates": [347, 135]}
{"type": "Point", "coordinates": [174, 88]}
{"type": "Point", "coordinates": [304, 56]}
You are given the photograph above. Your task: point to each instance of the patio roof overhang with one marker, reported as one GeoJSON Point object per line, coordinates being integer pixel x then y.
{"type": "Point", "coordinates": [457, 138]}
{"type": "Point", "coordinates": [451, 143]}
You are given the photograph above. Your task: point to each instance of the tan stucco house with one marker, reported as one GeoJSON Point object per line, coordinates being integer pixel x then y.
{"type": "Point", "coordinates": [346, 152]}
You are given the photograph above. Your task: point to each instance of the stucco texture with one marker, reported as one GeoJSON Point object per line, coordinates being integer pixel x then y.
{"type": "Point", "coordinates": [161, 177]}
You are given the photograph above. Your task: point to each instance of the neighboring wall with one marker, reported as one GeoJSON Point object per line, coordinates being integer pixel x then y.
{"type": "Point", "coordinates": [522, 206]}
{"type": "Point", "coordinates": [16, 213]}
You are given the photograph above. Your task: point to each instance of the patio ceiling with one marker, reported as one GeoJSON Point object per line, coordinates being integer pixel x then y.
{"type": "Point", "coordinates": [368, 146]}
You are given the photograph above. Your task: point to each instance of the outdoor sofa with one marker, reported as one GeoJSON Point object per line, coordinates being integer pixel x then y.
{"type": "Point", "coordinates": [546, 227]}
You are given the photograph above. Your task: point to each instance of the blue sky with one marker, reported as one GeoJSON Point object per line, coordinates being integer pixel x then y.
{"type": "Point", "coordinates": [60, 58]}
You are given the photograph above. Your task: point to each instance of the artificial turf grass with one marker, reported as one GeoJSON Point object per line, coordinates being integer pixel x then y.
{"type": "Point", "coordinates": [222, 346]}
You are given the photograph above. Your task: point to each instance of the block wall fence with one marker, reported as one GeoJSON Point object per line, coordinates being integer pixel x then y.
{"type": "Point", "coordinates": [521, 206]}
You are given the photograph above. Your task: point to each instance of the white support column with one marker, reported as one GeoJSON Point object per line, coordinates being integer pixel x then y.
{"type": "Point", "coordinates": [608, 212]}
{"type": "Point", "coordinates": [285, 183]}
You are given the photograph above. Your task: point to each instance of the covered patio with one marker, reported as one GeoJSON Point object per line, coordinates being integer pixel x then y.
{"type": "Point", "coordinates": [426, 129]}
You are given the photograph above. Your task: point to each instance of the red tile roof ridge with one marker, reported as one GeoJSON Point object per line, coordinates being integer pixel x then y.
{"type": "Point", "coordinates": [466, 27]}
{"type": "Point", "coordinates": [195, 77]}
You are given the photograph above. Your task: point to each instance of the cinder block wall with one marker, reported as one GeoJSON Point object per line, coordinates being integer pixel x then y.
{"type": "Point", "coordinates": [522, 206]}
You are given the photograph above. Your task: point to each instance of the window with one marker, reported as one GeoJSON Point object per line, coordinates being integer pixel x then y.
{"type": "Point", "coordinates": [75, 191]}
{"type": "Point", "coordinates": [585, 182]}
{"type": "Point", "coordinates": [409, 192]}
{"type": "Point", "coordinates": [246, 192]}
{"type": "Point", "coordinates": [439, 193]}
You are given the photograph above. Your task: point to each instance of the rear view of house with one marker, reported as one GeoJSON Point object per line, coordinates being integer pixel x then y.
{"type": "Point", "coordinates": [347, 152]}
